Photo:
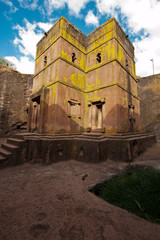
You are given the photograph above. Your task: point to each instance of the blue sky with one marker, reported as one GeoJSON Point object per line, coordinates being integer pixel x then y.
{"type": "Point", "coordinates": [23, 23]}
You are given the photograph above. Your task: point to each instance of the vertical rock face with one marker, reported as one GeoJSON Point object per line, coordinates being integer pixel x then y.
{"type": "Point", "coordinates": [15, 89]}
{"type": "Point", "coordinates": [149, 93]}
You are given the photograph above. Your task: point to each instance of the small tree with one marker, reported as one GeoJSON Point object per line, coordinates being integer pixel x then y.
{"type": "Point", "coordinates": [5, 62]}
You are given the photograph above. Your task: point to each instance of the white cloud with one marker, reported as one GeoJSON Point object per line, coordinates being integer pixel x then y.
{"type": "Point", "coordinates": [91, 19]}
{"type": "Point", "coordinates": [24, 65]}
{"type": "Point", "coordinates": [26, 41]}
{"type": "Point", "coordinates": [141, 15]}
{"type": "Point", "coordinates": [29, 4]}
{"type": "Point", "coordinates": [54, 4]}
{"type": "Point", "coordinates": [146, 49]}
{"type": "Point", "coordinates": [28, 38]}
{"type": "Point", "coordinates": [29, 35]}
{"type": "Point", "coordinates": [44, 26]}
{"type": "Point", "coordinates": [73, 5]}
{"type": "Point", "coordinates": [10, 4]}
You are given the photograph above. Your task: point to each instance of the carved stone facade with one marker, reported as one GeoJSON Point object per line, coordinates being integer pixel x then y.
{"type": "Point", "coordinates": [84, 83]}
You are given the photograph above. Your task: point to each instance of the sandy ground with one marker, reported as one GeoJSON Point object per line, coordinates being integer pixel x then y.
{"type": "Point", "coordinates": [53, 203]}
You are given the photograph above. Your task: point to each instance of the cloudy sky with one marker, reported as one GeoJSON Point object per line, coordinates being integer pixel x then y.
{"type": "Point", "coordinates": [23, 23]}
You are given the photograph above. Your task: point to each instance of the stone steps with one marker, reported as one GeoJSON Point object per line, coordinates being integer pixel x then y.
{"type": "Point", "coordinates": [5, 153]}
{"type": "Point", "coordinates": [2, 158]}
{"type": "Point", "coordinates": [20, 136]}
{"type": "Point", "coordinates": [15, 141]}
{"type": "Point", "coordinates": [9, 150]}
{"type": "Point", "coordinates": [9, 147]}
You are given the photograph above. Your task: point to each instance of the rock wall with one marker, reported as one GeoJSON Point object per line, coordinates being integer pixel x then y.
{"type": "Point", "coordinates": [15, 89]}
{"type": "Point", "coordinates": [149, 93]}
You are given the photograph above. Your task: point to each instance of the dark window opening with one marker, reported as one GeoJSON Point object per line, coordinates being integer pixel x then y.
{"type": "Point", "coordinates": [45, 60]}
{"type": "Point", "coordinates": [73, 57]}
{"type": "Point", "coordinates": [36, 99]}
{"type": "Point", "coordinates": [131, 106]}
{"type": "Point", "coordinates": [126, 62]}
{"type": "Point", "coordinates": [98, 57]}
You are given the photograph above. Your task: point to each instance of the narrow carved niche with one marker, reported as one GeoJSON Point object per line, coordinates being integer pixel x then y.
{"type": "Point", "coordinates": [60, 152]}
{"type": "Point", "coordinates": [60, 149]}
{"type": "Point", "coordinates": [81, 151]}
{"type": "Point", "coordinates": [131, 113]}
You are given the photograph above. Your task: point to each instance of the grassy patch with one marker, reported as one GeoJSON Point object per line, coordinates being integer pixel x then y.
{"type": "Point", "coordinates": [137, 191]}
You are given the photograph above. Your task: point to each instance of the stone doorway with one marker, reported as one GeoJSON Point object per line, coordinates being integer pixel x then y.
{"type": "Point", "coordinates": [97, 116]}
{"type": "Point", "coordinates": [35, 114]}
{"type": "Point", "coordinates": [131, 118]}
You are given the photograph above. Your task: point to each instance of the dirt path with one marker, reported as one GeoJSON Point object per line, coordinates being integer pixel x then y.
{"type": "Point", "coordinates": [53, 203]}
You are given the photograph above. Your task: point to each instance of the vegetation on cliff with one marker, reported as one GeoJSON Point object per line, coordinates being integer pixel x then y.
{"type": "Point", "coordinates": [5, 62]}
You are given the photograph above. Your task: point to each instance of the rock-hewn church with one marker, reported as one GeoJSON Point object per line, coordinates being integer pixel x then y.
{"type": "Point", "coordinates": [84, 83]}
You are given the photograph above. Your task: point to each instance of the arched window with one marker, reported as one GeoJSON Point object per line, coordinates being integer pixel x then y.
{"type": "Point", "coordinates": [98, 57]}
{"type": "Point", "coordinates": [127, 63]}
{"type": "Point", "coordinates": [45, 60]}
{"type": "Point", "coordinates": [73, 57]}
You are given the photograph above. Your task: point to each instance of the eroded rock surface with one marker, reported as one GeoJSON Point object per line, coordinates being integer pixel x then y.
{"type": "Point", "coordinates": [15, 89]}
{"type": "Point", "coordinates": [149, 93]}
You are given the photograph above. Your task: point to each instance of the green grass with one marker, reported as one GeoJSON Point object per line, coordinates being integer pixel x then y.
{"type": "Point", "coordinates": [137, 191]}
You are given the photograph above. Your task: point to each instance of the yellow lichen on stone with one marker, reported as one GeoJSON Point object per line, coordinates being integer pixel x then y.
{"type": "Point", "coordinates": [67, 35]}
{"type": "Point", "coordinates": [113, 131]}
{"type": "Point", "coordinates": [52, 132]}
{"type": "Point", "coordinates": [120, 54]}
{"type": "Point", "coordinates": [82, 62]}
{"type": "Point", "coordinates": [65, 55]}
{"type": "Point", "coordinates": [37, 60]}
{"type": "Point", "coordinates": [108, 47]}
{"type": "Point", "coordinates": [65, 102]}
{"type": "Point", "coordinates": [77, 80]}
{"type": "Point", "coordinates": [65, 79]}
{"type": "Point", "coordinates": [113, 55]}
{"type": "Point", "coordinates": [133, 69]}
{"type": "Point", "coordinates": [89, 86]}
